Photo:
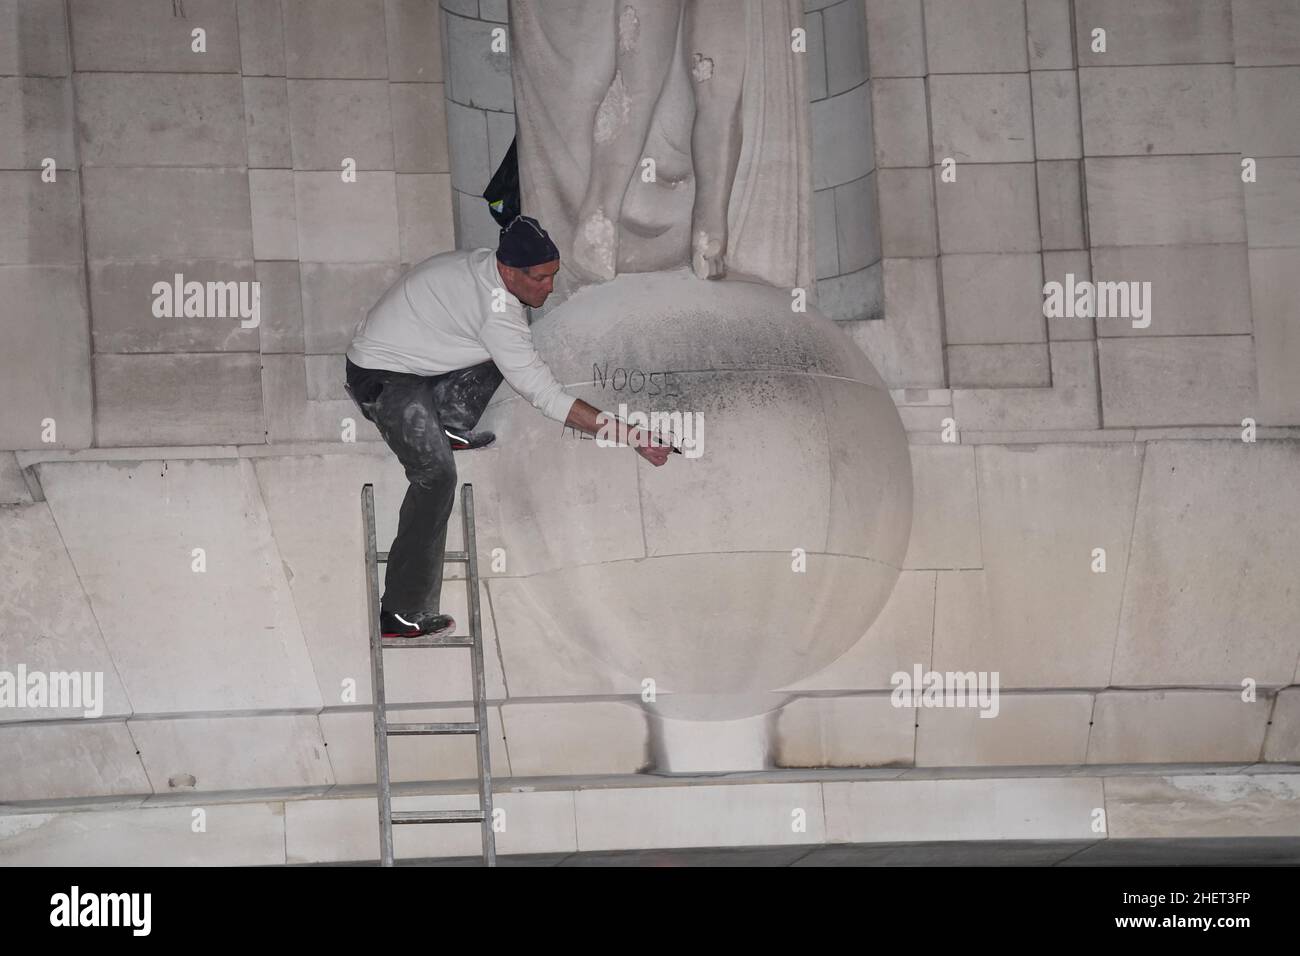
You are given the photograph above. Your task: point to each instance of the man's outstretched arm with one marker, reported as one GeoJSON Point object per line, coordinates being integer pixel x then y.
{"type": "Point", "coordinates": [589, 419]}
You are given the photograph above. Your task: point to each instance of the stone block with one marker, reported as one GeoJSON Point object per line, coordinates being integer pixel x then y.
{"type": "Point", "coordinates": [143, 213]}
{"type": "Point", "coordinates": [846, 46]}
{"type": "Point", "coordinates": [36, 122]}
{"type": "Point", "coordinates": [419, 127]}
{"type": "Point", "coordinates": [841, 138]}
{"type": "Point", "coordinates": [815, 56]}
{"type": "Point", "coordinates": [1051, 46]}
{"type": "Point", "coordinates": [275, 228]}
{"type": "Point", "coordinates": [233, 753]}
{"type": "Point", "coordinates": [989, 208]}
{"type": "Point", "coordinates": [892, 811]}
{"type": "Point", "coordinates": [261, 38]}
{"type": "Point", "coordinates": [1282, 742]}
{"type": "Point", "coordinates": [1273, 204]}
{"type": "Point", "coordinates": [1176, 726]}
{"type": "Point", "coordinates": [46, 625]}
{"type": "Point", "coordinates": [993, 299]}
{"type": "Point", "coordinates": [501, 133]}
{"type": "Point", "coordinates": [1155, 31]}
{"type": "Point", "coordinates": [906, 347]}
{"type": "Point", "coordinates": [46, 360]}
{"type": "Point", "coordinates": [828, 732]}
{"type": "Point", "coordinates": [1195, 614]}
{"type": "Point", "coordinates": [586, 737]}
{"type": "Point", "coordinates": [134, 36]}
{"type": "Point", "coordinates": [1155, 110]}
{"type": "Point", "coordinates": [901, 133]}
{"type": "Point", "coordinates": [335, 39]}
{"type": "Point", "coordinates": [337, 296]}
{"type": "Point", "coordinates": [337, 120]}
{"type": "Point", "coordinates": [34, 42]}
{"type": "Point", "coordinates": [467, 138]}
{"type": "Point", "coordinates": [176, 399]}
{"type": "Point", "coordinates": [69, 760]}
{"type": "Point", "coordinates": [1026, 730]}
{"type": "Point", "coordinates": [242, 647]}
{"type": "Point", "coordinates": [907, 216]}
{"type": "Point", "coordinates": [1274, 292]}
{"type": "Point", "coordinates": [1164, 200]}
{"type": "Point", "coordinates": [42, 220]}
{"type": "Point", "coordinates": [1043, 510]}
{"type": "Point", "coordinates": [854, 295]}
{"type": "Point", "coordinates": [281, 328]}
{"type": "Point", "coordinates": [1059, 267]}
{"type": "Point", "coordinates": [130, 119]}
{"type": "Point", "coordinates": [1265, 32]}
{"type": "Point", "coordinates": [1195, 290]}
{"type": "Point", "coordinates": [1058, 131]}
{"type": "Point", "coordinates": [895, 38]}
{"type": "Point", "coordinates": [414, 40]}
{"type": "Point", "coordinates": [424, 215]}
{"type": "Point", "coordinates": [1071, 402]}
{"type": "Point", "coordinates": [945, 523]}
{"type": "Point", "coordinates": [476, 75]}
{"type": "Point", "coordinates": [347, 222]}
{"type": "Point", "coordinates": [475, 227]}
{"type": "Point", "coordinates": [122, 308]}
{"type": "Point", "coordinates": [857, 223]}
{"type": "Point", "coordinates": [975, 36]}
{"type": "Point", "coordinates": [982, 118]}
{"type": "Point", "coordinates": [266, 122]}
{"type": "Point", "coordinates": [825, 234]}
{"type": "Point", "coordinates": [1177, 380]}
{"type": "Point", "coordinates": [728, 815]}
{"type": "Point", "coordinates": [1237, 806]}
{"type": "Point", "coordinates": [239, 834]}
{"type": "Point", "coordinates": [998, 366]}
{"type": "Point", "coordinates": [1060, 205]}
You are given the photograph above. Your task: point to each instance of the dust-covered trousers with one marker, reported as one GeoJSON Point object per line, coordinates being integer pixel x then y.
{"type": "Point", "coordinates": [411, 413]}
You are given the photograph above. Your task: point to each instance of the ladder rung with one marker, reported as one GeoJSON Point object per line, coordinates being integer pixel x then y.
{"type": "Point", "coordinates": [447, 727]}
{"type": "Point", "coordinates": [457, 640]}
{"type": "Point", "coordinates": [382, 556]}
{"type": "Point", "coordinates": [437, 816]}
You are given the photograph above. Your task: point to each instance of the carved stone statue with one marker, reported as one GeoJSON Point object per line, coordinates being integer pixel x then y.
{"type": "Point", "coordinates": [659, 133]}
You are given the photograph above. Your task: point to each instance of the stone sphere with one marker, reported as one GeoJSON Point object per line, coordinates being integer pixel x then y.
{"type": "Point", "coordinates": [743, 566]}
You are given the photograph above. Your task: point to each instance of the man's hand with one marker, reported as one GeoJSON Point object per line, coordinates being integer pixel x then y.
{"type": "Point", "coordinates": [645, 446]}
{"type": "Point", "coordinates": [589, 419]}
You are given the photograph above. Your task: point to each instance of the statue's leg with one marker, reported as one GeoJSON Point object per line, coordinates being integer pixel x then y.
{"type": "Point", "coordinates": [646, 34]}
{"type": "Point", "coordinates": [715, 53]}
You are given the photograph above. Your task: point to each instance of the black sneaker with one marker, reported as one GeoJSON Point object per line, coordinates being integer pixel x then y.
{"type": "Point", "coordinates": [465, 441]}
{"type": "Point", "coordinates": [417, 624]}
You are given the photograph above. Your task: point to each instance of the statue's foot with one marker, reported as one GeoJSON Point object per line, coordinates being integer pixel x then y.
{"type": "Point", "coordinates": [595, 248]}
{"type": "Point", "coordinates": [709, 255]}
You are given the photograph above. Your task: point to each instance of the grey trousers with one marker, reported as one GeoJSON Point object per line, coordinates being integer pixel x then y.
{"type": "Point", "coordinates": [411, 412]}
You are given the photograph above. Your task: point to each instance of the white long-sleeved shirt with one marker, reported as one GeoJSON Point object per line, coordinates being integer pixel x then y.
{"type": "Point", "coordinates": [438, 317]}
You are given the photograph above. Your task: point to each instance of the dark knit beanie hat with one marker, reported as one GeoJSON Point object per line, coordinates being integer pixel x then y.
{"type": "Point", "coordinates": [525, 243]}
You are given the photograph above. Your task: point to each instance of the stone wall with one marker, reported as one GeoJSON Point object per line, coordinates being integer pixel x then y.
{"type": "Point", "coordinates": [1068, 435]}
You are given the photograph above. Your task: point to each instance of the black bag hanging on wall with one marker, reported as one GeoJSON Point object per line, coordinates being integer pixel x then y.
{"type": "Point", "coordinates": [502, 194]}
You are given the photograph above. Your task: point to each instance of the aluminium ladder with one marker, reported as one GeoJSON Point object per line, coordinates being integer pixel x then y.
{"type": "Point", "coordinates": [383, 730]}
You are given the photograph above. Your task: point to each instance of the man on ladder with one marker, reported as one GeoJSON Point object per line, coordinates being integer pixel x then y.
{"type": "Point", "coordinates": [423, 365]}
